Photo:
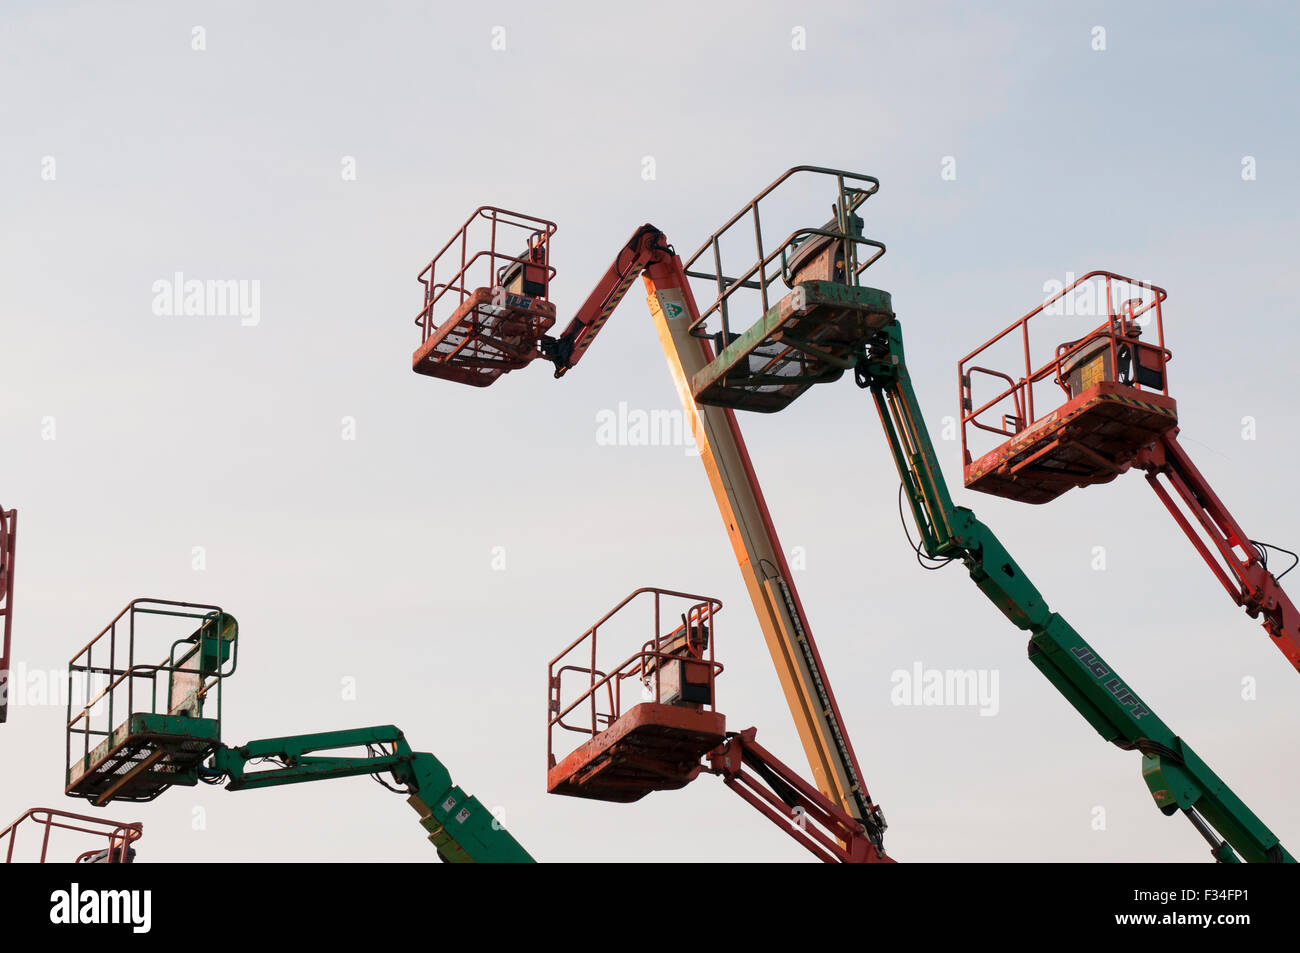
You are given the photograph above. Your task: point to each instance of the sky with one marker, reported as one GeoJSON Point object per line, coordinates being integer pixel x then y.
{"type": "Point", "coordinates": [401, 550]}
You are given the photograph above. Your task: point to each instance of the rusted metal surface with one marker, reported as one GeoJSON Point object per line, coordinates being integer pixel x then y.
{"type": "Point", "coordinates": [1115, 396]}
{"type": "Point", "coordinates": [810, 335]}
{"type": "Point", "coordinates": [1091, 439]}
{"type": "Point", "coordinates": [486, 303]}
{"type": "Point", "coordinates": [650, 747]}
{"type": "Point", "coordinates": [853, 189]}
{"type": "Point", "coordinates": [481, 340]}
{"type": "Point", "coordinates": [1117, 415]}
{"type": "Point", "coordinates": [142, 726]}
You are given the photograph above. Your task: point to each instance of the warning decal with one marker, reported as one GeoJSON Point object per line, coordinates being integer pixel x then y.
{"type": "Point", "coordinates": [672, 303]}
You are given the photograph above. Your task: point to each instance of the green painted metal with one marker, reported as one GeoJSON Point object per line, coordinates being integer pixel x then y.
{"type": "Point", "coordinates": [185, 741]}
{"type": "Point", "coordinates": [813, 294]}
{"type": "Point", "coordinates": [726, 380]}
{"type": "Point", "coordinates": [458, 824]}
{"type": "Point", "coordinates": [180, 727]}
{"type": "Point", "coordinates": [146, 740]}
{"type": "Point", "coordinates": [1175, 775]}
{"type": "Point", "coordinates": [150, 751]}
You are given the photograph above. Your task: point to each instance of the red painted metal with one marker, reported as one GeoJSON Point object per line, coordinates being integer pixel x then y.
{"type": "Point", "coordinates": [8, 542]}
{"type": "Point", "coordinates": [1116, 398]}
{"type": "Point", "coordinates": [1088, 440]}
{"type": "Point", "coordinates": [1107, 425]}
{"type": "Point", "coordinates": [783, 797]}
{"type": "Point", "coordinates": [119, 837]}
{"type": "Point", "coordinates": [1235, 561]}
{"type": "Point", "coordinates": [628, 753]}
{"type": "Point", "coordinates": [656, 744]}
{"type": "Point", "coordinates": [648, 254]}
{"type": "Point", "coordinates": [486, 303]}
{"type": "Point", "coordinates": [651, 747]}
{"type": "Point", "coordinates": [646, 245]}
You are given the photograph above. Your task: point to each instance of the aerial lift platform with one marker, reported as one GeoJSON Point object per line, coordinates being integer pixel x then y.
{"type": "Point", "coordinates": [118, 839]}
{"type": "Point", "coordinates": [813, 334]}
{"type": "Point", "coordinates": [8, 541]}
{"type": "Point", "coordinates": [484, 311]}
{"type": "Point", "coordinates": [146, 727]}
{"type": "Point", "coordinates": [1112, 412]}
{"type": "Point", "coordinates": [663, 731]}
{"type": "Point", "coordinates": [653, 739]}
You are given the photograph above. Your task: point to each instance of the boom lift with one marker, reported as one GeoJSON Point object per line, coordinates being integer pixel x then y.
{"type": "Point", "coordinates": [119, 838]}
{"type": "Point", "coordinates": [836, 774]}
{"type": "Point", "coordinates": [1116, 414]}
{"type": "Point", "coordinates": [495, 327]}
{"type": "Point", "coordinates": [8, 538]}
{"type": "Point", "coordinates": [824, 326]}
{"type": "Point", "coordinates": [657, 744]}
{"type": "Point", "coordinates": [147, 727]}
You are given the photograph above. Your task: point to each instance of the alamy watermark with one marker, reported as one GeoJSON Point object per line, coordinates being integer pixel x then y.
{"type": "Point", "coordinates": [949, 688]}
{"type": "Point", "coordinates": [179, 296]}
{"type": "Point", "coordinates": [1089, 299]}
{"type": "Point", "coordinates": [26, 687]}
{"type": "Point", "coordinates": [634, 427]}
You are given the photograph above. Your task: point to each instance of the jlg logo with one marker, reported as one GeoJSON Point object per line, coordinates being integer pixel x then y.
{"type": "Point", "coordinates": [1112, 685]}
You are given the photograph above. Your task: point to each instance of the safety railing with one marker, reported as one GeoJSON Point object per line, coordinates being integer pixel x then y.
{"type": "Point", "coordinates": [1131, 307]}
{"type": "Point", "coordinates": [118, 837]}
{"type": "Point", "coordinates": [115, 686]}
{"type": "Point", "coordinates": [472, 259]}
{"type": "Point", "coordinates": [600, 701]}
{"type": "Point", "coordinates": [761, 272]}
{"type": "Point", "coordinates": [8, 542]}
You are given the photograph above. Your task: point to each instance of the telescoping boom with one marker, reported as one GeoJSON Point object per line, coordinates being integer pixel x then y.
{"type": "Point", "coordinates": [825, 325]}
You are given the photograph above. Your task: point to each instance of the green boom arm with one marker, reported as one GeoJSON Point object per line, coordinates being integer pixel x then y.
{"type": "Point", "coordinates": [460, 827]}
{"type": "Point", "coordinates": [1176, 777]}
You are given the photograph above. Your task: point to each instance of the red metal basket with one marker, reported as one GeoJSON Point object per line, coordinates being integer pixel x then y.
{"type": "Point", "coordinates": [653, 740]}
{"type": "Point", "coordinates": [486, 298]}
{"type": "Point", "coordinates": [1116, 396]}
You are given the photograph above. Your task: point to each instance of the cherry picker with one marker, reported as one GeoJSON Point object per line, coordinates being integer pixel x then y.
{"type": "Point", "coordinates": [474, 317]}
{"type": "Point", "coordinates": [146, 727]}
{"type": "Point", "coordinates": [1116, 414]}
{"type": "Point", "coordinates": [826, 324]}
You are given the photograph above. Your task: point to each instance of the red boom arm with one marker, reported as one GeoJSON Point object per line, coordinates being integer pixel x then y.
{"type": "Point", "coordinates": [1241, 568]}
{"type": "Point", "coordinates": [790, 802]}
{"type": "Point", "coordinates": [645, 247]}
{"type": "Point", "coordinates": [817, 822]}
